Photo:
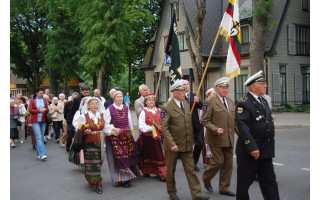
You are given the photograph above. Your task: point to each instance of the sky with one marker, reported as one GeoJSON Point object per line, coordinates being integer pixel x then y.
{"type": "Point", "coordinates": [5, 89]}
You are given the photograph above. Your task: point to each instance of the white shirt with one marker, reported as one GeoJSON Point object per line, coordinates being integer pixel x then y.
{"type": "Point", "coordinates": [81, 119]}
{"type": "Point", "coordinates": [142, 120]}
{"type": "Point", "coordinates": [221, 99]}
{"type": "Point", "coordinates": [108, 118]}
{"type": "Point", "coordinates": [178, 102]}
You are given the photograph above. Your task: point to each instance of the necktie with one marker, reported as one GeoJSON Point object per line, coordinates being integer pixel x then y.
{"type": "Point", "coordinates": [261, 102]}
{"type": "Point", "coordinates": [181, 106]}
{"type": "Point", "coordinates": [224, 102]}
{"type": "Point", "coordinates": [188, 97]}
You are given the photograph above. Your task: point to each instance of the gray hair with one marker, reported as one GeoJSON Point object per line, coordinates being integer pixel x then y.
{"type": "Point", "coordinates": [142, 86]}
{"type": "Point", "coordinates": [55, 98]}
{"type": "Point", "coordinates": [62, 95]}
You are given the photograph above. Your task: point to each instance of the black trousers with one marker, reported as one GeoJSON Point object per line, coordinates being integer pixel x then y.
{"type": "Point", "coordinates": [57, 125]}
{"type": "Point", "coordinates": [198, 144]}
{"type": "Point", "coordinates": [70, 134]}
{"type": "Point", "coordinates": [246, 171]}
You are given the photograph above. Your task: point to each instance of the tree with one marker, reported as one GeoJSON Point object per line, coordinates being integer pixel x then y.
{"type": "Point", "coordinates": [27, 41]}
{"type": "Point", "coordinates": [63, 37]}
{"type": "Point", "coordinates": [261, 17]}
{"type": "Point", "coordinates": [196, 56]}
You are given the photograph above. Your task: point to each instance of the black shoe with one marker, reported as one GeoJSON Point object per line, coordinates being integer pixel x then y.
{"type": "Point", "coordinates": [196, 168]}
{"type": "Point", "coordinates": [208, 186]}
{"type": "Point", "coordinates": [125, 184]}
{"type": "Point", "coordinates": [67, 149]}
{"type": "Point", "coordinates": [174, 197]}
{"type": "Point", "coordinates": [202, 198]}
{"type": "Point", "coordinates": [228, 193]}
{"type": "Point", "coordinates": [99, 189]}
{"type": "Point", "coordinates": [146, 175]}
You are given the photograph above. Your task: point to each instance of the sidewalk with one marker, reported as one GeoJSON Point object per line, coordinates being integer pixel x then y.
{"type": "Point", "coordinates": [291, 120]}
{"type": "Point", "coordinates": [283, 120]}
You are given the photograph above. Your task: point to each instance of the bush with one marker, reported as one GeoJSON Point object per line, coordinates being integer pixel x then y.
{"type": "Point", "coordinates": [296, 108]}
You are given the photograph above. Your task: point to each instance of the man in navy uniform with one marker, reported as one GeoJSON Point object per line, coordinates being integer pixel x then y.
{"type": "Point", "coordinates": [255, 145]}
{"type": "Point", "coordinates": [176, 123]}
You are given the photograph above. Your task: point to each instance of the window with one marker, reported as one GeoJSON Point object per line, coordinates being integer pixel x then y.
{"type": "Point", "coordinates": [283, 83]}
{"type": "Point", "coordinates": [240, 89]}
{"type": "Point", "coordinates": [245, 34]}
{"type": "Point", "coordinates": [176, 5]}
{"type": "Point", "coordinates": [305, 5]}
{"type": "Point", "coordinates": [305, 72]}
{"type": "Point", "coordinates": [182, 42]}
{"type": "Point", "coordinates": [298, 40]}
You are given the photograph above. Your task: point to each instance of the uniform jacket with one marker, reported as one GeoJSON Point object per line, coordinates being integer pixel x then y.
{"type": "Point", "coordinates": [256, 128]}
{"type": "Point", "coordinates": [33, 118]}
{"type": "Point", "coordinates": [197, 127]}
{"type": "Point", "coordinates": [215, 115]}
{"type": "Point", "coordinates": [176, 126]}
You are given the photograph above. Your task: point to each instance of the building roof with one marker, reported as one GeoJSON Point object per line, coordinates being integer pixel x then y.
{"type": "Point", "coordinates": [214, 13]}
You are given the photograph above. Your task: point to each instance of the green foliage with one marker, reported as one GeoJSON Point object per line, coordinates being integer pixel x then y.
{"type": "Point", "coordinates": [295, 108]}
{"type": "Point", "coordinates": [263, 13]}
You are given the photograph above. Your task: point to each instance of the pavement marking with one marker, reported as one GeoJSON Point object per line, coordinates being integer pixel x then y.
{"type": "Point", "coordinates": [278, 164]}
{"type": "Point", "coordinates": [307, 169]}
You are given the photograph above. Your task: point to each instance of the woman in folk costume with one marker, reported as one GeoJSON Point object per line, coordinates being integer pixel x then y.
{"type": "Point", "coordinates": [121, 149]}
{"type": "Point", "coordinates": [92, 124]}
{"type": "Point", "coordinates": [151, 155]}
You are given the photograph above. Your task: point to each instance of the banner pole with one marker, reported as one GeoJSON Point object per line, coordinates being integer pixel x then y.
{"type": "Point", "coordinates": [205, 70]}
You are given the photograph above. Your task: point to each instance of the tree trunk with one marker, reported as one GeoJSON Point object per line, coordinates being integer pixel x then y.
{"type": "Point", "coordinates": [129, 74]}
{"type": "Point", "coordinates": [101, 75]}
{"type": "Point", "coordinates": [256, 43]}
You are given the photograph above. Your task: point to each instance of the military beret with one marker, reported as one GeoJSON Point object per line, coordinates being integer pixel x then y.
{"type": "Point", "coordinates": [224, 81]}
{"type": "Point", "coordinates": [257, 77]}
{"type": "Point", "coordinates": [178, 85]}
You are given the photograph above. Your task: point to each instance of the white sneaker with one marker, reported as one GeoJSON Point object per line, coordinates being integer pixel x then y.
{"type": "Point", "coordinates": [44, 157]}
{"type": "Point", "coordinates": [21, 141]}
{"type": "Point", "coordinates": [48, 137]}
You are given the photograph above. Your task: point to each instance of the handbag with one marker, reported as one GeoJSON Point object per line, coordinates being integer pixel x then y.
{"type": "Point", "coordinates": [49, 119]}
{"type": "Point", "coordinates": [78, 141]}
{"type": "Point", "coordinates": [19, 123]}
{"type": "Point", "coordinates": [54, 115]}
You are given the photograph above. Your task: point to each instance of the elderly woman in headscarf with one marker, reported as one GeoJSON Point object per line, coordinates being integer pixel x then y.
{"type": "Point", "coordinates": [92, 124]}
{"type": "Point", "coordinates": [121, 148]}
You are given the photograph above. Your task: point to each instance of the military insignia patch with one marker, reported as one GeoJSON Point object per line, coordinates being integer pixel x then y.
{"type": "Point", "coordinates": [205, 107]}
{"type": "Point", "coordinates": [247, 142]}
{"type": "Point", "coordinates": [240, 110]}
{"type": "Point", "coordinates": [162, 114]}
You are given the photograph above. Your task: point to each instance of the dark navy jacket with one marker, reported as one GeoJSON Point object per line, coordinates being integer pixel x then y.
{"type": "Point", "coordinates": [256, 128]}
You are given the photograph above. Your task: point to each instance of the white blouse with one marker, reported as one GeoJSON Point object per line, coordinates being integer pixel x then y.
{"type": "Point", "coordinates": [142, 120]}
{"type": "Point", "coordinates": [81, 119]}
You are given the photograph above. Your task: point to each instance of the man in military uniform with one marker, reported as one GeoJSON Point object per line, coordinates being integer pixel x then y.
{"type": "Point", "coordinates": [177, 130]}
{"type": "Point", "coordinates": [219, 119]}
{"type": "Point", "coordinates": [197, 127]}
{"type": "Point", "coordinates": [255, 145]}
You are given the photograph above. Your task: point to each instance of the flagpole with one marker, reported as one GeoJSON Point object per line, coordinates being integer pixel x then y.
{"type": "Point", "coordinates": [158, 84]}
{"type": "Point", "coordinates": [205, 70]}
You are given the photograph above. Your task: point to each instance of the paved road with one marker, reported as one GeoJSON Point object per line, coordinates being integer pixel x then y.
{"type": "Point", "coordinates": [56, 178]}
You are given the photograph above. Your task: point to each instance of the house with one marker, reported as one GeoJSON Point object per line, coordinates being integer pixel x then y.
{"type": "Point", "coordinates": [287, 49]}
{"type": "Point", "coordinates": [19, 86]}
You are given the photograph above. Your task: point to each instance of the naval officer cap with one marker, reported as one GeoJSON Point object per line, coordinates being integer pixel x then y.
{"type": "Point", "coordinates": [224, 81]}
{"type": "Point", "coordinates": [257, 77]}
{"type": "Point", "coordinates": [178, 85]}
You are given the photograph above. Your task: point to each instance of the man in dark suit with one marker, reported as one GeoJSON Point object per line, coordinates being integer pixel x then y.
{"type": "Point", "coordinates": [255, 145]}
{"type": "Point", "coordinates": [219, 119]}
{"type": "Point", "coordinates": [197, 127]}
{"type": "Point", "coordinates": [85, 91]}
{"type": "Point", "coordinates": [177, 130]}
{"type": "Point", "coordinates": [110, 100]}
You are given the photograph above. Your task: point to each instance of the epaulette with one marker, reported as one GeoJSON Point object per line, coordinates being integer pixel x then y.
{"type": "Point", "coordinates": [244, 99]}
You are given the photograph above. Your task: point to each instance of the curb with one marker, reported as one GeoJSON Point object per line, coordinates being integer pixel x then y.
{"type": "Point", "coordinates": [291, 126]}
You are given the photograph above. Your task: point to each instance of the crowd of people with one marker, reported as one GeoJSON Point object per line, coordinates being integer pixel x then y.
{"type": "Point", "coordinates": [165, 135]}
